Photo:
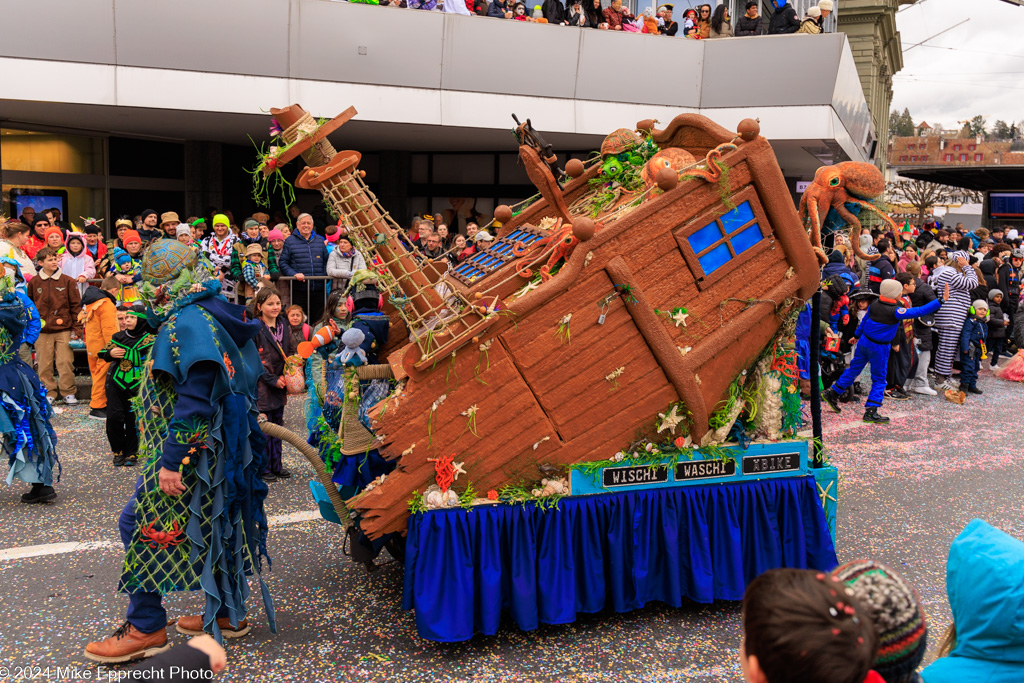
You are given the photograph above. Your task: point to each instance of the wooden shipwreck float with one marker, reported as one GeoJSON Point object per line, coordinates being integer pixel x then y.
{"type": "Point", "coordinates": [583, 321]}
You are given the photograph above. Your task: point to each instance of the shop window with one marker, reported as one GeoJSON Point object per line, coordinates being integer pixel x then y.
{"type": "Point", "coordinates": [25, 150]}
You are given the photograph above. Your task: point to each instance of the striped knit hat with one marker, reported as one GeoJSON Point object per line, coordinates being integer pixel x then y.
{"type": "Point", "coordinates": [896, 612]}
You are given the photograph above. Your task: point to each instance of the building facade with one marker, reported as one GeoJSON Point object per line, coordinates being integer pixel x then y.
{"type": "Point", "coordinates": [116, 125]}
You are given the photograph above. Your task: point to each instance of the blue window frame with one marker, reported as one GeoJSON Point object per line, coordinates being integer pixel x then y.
{"type": "Point", "coordinates": [725, 238]}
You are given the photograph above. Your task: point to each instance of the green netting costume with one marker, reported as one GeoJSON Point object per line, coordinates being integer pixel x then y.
{"type": "Point", "coordinates": [197, 415]}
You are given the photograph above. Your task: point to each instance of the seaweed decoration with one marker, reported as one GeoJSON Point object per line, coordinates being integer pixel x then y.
{"type": "Point", "coordinates": [563, 332]}
{"type": "Point", "coordinates": [470, 415]}
{"type": "Point", "coordinates": [267, 178]}
{"type": "Point", "coordinates": [485, 359]}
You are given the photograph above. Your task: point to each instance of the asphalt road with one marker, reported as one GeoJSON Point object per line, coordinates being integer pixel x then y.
{"type": "Point", "coordinates": [906, 490]}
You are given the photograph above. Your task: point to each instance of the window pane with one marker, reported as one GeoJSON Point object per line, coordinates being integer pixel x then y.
{"type": "Point", "coordinates": [737, 217]}
{"type": "Point", "coordinates": [746, 239]}
{"type": "Point", "coordinates": [715, 259]}
{"type": "Point", "coordinates": [705, 237]}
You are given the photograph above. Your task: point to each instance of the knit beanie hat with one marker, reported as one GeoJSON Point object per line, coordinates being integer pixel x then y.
{"type": "Point", "coordinates": [994, 293]}
{"type": "Point", "coordinates": [979, 303]}
{"type": "Point", "coordinates": [147, 213]}
{"type": "Point", "coordinates": [221, 219]}
{"type": "Point", "coordinates": [250, 223]}
{"type": "Point", "coordinates": [50, 231]}
{"type": "Point", "coordinates": [825, 5]}
{"type": "Point", "coordinates": [183, 229]}
{"type": "Point", "coordinates": [275, 235]}
{"type": "Point", "coordinates": [890, 289]}
{"type": "Point", "coordinates": [814, 12]}
{"type": "Point", "coordinates": [130, 236]}
{"type": "Point", "coordinates": [896, 612]}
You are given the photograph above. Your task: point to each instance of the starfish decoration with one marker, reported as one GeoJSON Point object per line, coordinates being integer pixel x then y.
{"type": "Point", "coordinates": [458, 469]}
{"type": "Point", "coordinates": [527, 287]}
{"type": "Point", "coordinates": [670, 420]}
{"type": "Point", "coordinates": [679, 317]}
{"type": "Point", "coordinates": [824, 493]}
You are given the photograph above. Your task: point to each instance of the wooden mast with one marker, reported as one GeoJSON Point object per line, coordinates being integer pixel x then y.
{"type": "Point", "coordinates": [448, 317]}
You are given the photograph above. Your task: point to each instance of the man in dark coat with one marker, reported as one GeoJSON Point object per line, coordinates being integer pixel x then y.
{"type": "Point", "coordinates": [784, 20]}
{"type": "Point", "coordinates": [305, 255]}
{"type": "Point", "coordinates": [749, 24]}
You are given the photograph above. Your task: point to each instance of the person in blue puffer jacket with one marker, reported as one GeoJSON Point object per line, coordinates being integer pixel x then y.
{"type": "Point", "coordinates": [875, 335]}
{"type": "Point", "coordinates": [985, 581]}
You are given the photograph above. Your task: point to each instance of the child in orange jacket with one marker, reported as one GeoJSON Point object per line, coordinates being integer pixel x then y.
{"type": "Point", "coordinates": [99, 315]}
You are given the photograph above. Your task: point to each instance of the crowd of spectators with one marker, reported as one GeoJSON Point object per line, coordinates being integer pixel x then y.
{"type": "Point", "coordinates": [701, 22]}
{"type": "Point", "coordinates": [983, 271]}
{"type": "Point", "coordinates": [305, 264]}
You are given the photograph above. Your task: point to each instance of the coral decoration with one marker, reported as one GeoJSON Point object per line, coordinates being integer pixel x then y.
{"type": "Point", "coordinates": [162, 539]}
{"type": "Point", "coordinates": [785, 365]}
{"type": "Point", "coordinates": [444, 471]}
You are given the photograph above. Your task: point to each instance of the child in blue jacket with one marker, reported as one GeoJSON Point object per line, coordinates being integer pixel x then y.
{"type": "Point", "coordinates": [875, 336]}
{"type": "Point", "coordinates": [972, 346]}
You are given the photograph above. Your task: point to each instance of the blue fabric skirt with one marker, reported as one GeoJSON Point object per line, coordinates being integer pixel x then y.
{"type": "Point", "coordinates": [28, 439]}
{"type": "Point", "coordinates": [465, 569]}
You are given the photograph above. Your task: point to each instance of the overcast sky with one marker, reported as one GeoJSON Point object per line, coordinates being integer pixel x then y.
{"type": "Point", "coordinates": [975, 68]}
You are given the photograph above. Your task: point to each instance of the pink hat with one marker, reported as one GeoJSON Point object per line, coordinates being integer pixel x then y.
{"type": "Point", "coordinates": [274, 235]}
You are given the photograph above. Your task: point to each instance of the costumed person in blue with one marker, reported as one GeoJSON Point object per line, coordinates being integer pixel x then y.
{"type": "Point", "coordinates": [196, 521]}
{"type": "Point", "coordinates": [28, 439]}
{"type": "Point", "coordinates": [34, 326]}
{"type": "Point", "coordinates": [875, 335]}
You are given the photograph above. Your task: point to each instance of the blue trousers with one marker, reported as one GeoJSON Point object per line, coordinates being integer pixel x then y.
{"type": "Point", "coordinates": [969, 368]}
{"type": "Point", "coordinates": [145, 609]}
{"type": "Point", "coordinates": [867, 352]}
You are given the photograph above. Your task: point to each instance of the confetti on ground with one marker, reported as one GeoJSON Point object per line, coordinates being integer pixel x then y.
{"type": "Point", "coordinates": [906, 490]}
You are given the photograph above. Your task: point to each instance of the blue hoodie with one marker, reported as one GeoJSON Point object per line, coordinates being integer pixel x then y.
{"type": "Point", "coordinates": [985, 580]}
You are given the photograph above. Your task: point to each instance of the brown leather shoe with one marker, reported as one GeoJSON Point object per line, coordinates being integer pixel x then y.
{"type": "Point", "coordinates": [127, 643]}
{"type": "Point", "coordinates": [193, 626]}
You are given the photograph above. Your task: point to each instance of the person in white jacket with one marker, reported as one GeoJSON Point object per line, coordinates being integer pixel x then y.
{"type": "Point", "coordinates": [344, 260]}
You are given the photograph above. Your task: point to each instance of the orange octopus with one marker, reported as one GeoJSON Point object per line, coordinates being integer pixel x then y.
{"type": "Point", "coordinates": [856, 182]}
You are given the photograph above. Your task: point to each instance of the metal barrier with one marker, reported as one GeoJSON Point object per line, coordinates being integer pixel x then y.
{"type": "Point", "coordinates": [310, 293]}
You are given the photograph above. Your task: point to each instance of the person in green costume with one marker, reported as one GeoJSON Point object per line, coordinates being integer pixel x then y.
{"type": "Point", "coordinates": [196, 521]}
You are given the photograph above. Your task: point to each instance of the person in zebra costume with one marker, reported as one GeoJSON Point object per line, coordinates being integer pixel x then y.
{"type": "Point", "coordinates": [949, 320]}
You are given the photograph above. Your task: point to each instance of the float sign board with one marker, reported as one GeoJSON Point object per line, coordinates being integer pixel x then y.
{"type": "Point", "coordinates": [770, 464]}
{"type": "Point", "coordinates": [705, 469]}
{"type": "Point", "coordinates": [612, 477]}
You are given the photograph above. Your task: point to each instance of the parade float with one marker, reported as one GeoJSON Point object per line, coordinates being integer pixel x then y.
{"type": "Point", "coordinates": [598, 409]}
